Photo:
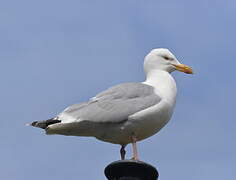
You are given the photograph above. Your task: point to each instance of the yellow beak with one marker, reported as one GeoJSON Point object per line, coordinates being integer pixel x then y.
{"type": "Point", "coordinates": [183, 68]}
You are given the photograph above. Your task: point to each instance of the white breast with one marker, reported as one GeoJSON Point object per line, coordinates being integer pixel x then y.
{"type": "Point", "coordinates": [151, 120]}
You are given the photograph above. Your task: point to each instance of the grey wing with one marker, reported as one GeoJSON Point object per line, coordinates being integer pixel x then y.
{"type": "Point", "coordinates": [114, 105]}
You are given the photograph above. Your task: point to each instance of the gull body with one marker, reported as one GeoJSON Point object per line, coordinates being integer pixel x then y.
{"type": "Point", "coordinates": [142, 124]}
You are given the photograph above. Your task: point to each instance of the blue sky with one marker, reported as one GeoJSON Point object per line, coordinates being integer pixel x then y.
{"type": "Point", "coordinates": [57, 53]}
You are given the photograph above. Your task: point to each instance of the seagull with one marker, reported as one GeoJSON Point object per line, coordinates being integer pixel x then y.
{"type": "Point", "coordinates": [127, 112]}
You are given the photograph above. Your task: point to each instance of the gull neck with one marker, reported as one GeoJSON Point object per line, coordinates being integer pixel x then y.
{"type": "Point", "coordinates": [163, 83]}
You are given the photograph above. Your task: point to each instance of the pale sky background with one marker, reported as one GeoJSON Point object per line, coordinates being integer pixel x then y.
{"type": "Point", "coordinates": [56, 53]}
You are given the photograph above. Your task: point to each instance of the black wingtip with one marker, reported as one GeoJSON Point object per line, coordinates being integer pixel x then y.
{"type": "Point", "coordinates": [44, 124]}
{"type": "Point", "coordinates": [31, 124]}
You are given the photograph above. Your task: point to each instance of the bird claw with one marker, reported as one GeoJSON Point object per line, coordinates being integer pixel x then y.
{"type": "Point", "coordinates": [134, 159]}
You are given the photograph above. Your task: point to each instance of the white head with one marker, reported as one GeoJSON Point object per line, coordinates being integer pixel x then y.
{"type": "Point", "coordinates": [163, 59]}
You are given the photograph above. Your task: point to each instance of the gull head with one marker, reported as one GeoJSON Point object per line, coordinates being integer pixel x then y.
{"type": "Point", "coordinates": [163, 59]}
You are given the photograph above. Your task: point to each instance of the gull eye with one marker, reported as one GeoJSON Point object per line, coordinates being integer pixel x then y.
{"type": "Point", "coordinates": [167, 58]}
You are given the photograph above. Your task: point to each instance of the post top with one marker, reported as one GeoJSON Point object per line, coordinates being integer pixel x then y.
{"type": "Point", "coordinates": [130, 169]}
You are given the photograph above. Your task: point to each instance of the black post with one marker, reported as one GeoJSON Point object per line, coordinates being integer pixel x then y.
{"type": "Point", "coordinates": [130, 170]}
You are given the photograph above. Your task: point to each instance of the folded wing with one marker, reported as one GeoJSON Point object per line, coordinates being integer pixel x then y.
{"type": "Point", "coordinates": [114, 105]}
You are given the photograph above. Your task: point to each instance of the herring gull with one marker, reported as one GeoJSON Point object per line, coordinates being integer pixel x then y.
{"type": "Point", "coordinates": [128, 112]}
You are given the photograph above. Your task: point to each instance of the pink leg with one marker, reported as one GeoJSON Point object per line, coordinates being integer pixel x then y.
{"type": "Point", "coordinates": [135, 150]}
